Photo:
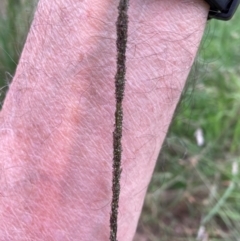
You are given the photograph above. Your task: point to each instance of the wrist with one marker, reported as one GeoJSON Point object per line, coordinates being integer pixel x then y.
{"type": "Point", "coordinates": [60, 111]}
{"type": "Point", "coordinates": [163, 42]}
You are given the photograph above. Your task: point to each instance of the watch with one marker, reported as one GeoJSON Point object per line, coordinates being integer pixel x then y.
{"type": "Point", "coordinates": [222, 9]}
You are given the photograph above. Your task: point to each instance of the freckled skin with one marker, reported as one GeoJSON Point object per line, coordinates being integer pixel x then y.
{"type": "Point", "coordinates": [57, 120]}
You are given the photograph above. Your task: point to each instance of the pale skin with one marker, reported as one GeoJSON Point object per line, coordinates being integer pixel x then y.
{"type": "Point", "coordinates": [57, 120]}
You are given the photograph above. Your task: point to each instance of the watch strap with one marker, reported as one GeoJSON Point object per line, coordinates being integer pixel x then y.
{"type": "Point", "coordinates": [222, 9]}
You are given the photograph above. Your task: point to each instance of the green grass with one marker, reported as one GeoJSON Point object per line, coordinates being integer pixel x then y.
{"type": "Point", "coordinates": [15, 19]}
{"type": "Point", "coordinates": [192, 186]}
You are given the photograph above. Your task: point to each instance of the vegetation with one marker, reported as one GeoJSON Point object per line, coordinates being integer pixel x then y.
{"type": "Point", "coordinates": [15, 19]}
{"type": "Point", "coordinates": [194, 193]}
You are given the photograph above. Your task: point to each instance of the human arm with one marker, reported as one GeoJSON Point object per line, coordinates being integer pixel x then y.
{"type": "Point", "coordinates": [57, 120]}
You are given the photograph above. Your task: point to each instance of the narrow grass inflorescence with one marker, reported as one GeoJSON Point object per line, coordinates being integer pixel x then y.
{"type": "Point", "coordinates": [122, 31]}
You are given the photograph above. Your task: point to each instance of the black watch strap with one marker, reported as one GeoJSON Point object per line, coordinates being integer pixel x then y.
{"type": "Point", "coordinates": [222, 9]}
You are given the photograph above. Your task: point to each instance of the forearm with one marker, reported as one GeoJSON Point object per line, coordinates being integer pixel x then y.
{"type": "Point", "coordinates": [57, 120]}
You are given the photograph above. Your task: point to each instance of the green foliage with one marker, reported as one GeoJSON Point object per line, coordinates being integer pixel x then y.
{"type": "Point", "coordinates": [15, 19]}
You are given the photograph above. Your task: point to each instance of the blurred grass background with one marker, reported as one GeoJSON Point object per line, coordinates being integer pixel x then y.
{"type": "Point", "coordinates": [195, 190]}
{"type": "Point", "coordinates": [15, 20]}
